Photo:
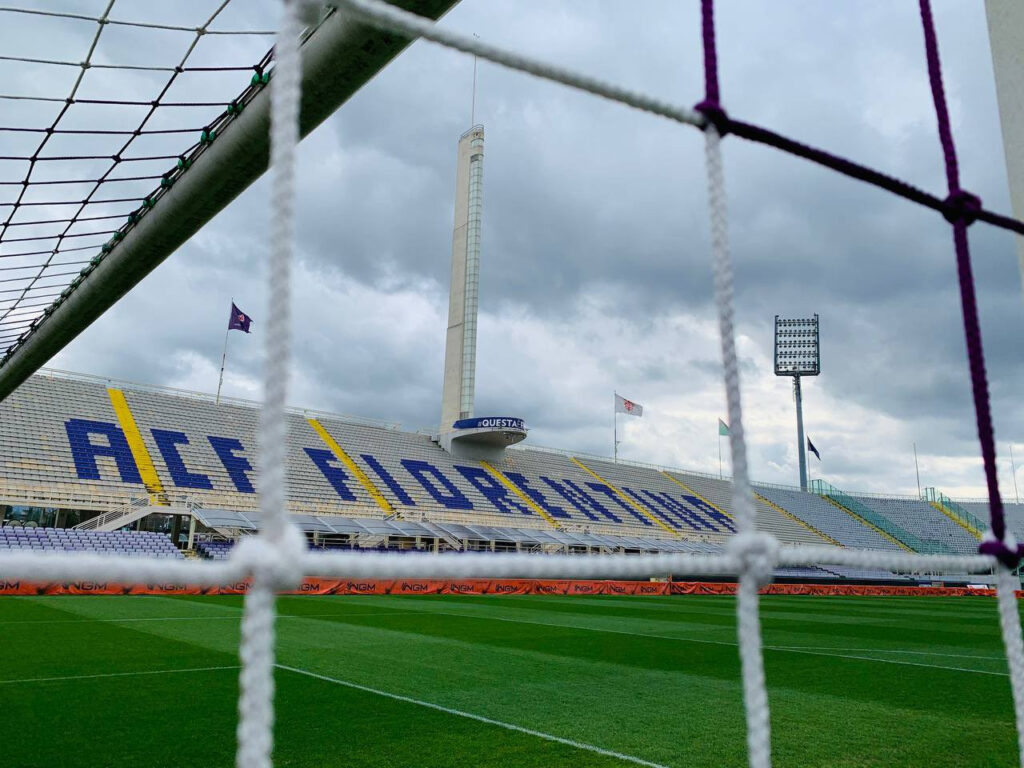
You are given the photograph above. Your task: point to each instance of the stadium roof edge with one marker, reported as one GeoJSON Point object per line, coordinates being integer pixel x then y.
{"type": "Point", "coordinates": [338, 59]}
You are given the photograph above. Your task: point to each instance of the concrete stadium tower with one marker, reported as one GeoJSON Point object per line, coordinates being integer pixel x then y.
{"type": "Point", "coordinates": [464, 297]}
{"type": "Point", "coordinates": [460, 432]}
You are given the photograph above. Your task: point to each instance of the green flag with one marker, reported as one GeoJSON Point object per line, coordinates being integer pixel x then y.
{"type": "Point", "coordinates": [723, 428]}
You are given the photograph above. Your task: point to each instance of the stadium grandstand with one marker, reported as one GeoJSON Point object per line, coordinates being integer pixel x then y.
{"type": "Point", "coordinates": [97, 459]}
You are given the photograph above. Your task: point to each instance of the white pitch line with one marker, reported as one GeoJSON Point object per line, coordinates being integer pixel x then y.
{"type": "Point", "coordinates": [479, 718]}
{"type": "Point", "coordinates": [232, 617]}
{"type": "Point", "coordinates": [115, 674]}
{"type": "Point", "coordinates": [885, 650]}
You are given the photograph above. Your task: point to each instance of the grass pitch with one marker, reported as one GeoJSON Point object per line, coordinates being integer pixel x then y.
{"type": "Point", "coordinates": [506, 681]}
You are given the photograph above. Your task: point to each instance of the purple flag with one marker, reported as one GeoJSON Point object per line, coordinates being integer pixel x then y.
{"type": "Point", "coordinates": [239, 321]}
{"type": "Point", "coordinates": [812, 449]}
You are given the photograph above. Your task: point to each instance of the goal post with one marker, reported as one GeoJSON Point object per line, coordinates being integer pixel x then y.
{"type": "Point", "coordinates": [1006, 41]}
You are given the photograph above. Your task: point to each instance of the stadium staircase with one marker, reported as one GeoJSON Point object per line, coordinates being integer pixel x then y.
{"type": "Point", "coordinates": [134, 510]}
{"type": "Point", "coordinates": [904, 538]}
{"type": "Point", "coordinates": [955, 512]}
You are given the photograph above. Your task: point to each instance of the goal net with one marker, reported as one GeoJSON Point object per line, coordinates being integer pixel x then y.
{"type": "Point", "coordinates": [277, 558]}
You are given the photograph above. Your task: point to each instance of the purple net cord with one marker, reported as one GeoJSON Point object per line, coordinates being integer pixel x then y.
{"type": "Point", "coordinates": [960, 208]}
{"type": "Point", "coordinates": [953, 207]}
{"type": "Point", "coordinates": [962, 205]}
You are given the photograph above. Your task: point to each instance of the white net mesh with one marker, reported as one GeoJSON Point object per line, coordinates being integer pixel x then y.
{"type": "Point", "coordinates": [277, 558]}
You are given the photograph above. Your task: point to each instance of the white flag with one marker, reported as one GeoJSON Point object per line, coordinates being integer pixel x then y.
{"type": "Point", "coordinates": [622, 405]}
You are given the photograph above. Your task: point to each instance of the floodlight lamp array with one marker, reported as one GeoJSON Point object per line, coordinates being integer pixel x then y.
{"type": "Point", "coordinates": [796, 346]}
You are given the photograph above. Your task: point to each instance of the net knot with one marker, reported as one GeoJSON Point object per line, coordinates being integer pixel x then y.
{"type": "Point", "coordinates": [715, 115]}
{"type": "Point", "coordinates": [277, 563]}
{"type": "Point", "coordinates": [757, 554]}
{"type": "Point", "coordinates": [1007, 551]}
{"type": "Point", "coordinates": [961, 206]}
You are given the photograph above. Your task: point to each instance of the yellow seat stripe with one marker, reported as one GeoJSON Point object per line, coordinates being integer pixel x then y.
{"type": "Point", "coordinates": [956, 519]}
{"type": "Point", "coordinates": [868, 523]}
{"type": "Point", "coordinates": [144, 462]}
{"type": "Point", "coordinates": [795, 519]}
{"type": "Point", "coordinates": [518, 492]}
{"type": "Point", "coordinates": [628, 499]}
{"type": "Point", "coordinates": [345, 459]}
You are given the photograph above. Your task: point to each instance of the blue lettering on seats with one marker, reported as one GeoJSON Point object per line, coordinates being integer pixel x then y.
{"type": "Point", "coordinates": [674, 508]}
{"type": "Point", "coordinates": [692, 517]}
{"type": "Point", "coordinates": [537, 497]}
{"type": "Point", "coordinates": [430, 478]}
{"type": "Point", "coordinates": [710, 511]}
{"type": "Point", "coordinates": [85, 452]}
{"type": "Point", "coordinates": [580, 499]}
{"type": "Point", "coordinates": [666, 516]}
{"type": "Point", "coordinates": [236, 466]}
{"type": "Point", "coordinates": [388, 480]}
{"type": "Point", "coordinates": [602, 488]}
{"type": "Point", "coordinates": [167, 442]}
{"type": "Point", "coordinates": [334, 474]}
{"type": "Point", "coordinates": [492, 490]}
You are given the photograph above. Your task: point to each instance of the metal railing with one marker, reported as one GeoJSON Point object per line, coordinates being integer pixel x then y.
{"type": "Point", "coordinates": [954, 510]}
{"type": "Point", "coordinates": [125, 511]}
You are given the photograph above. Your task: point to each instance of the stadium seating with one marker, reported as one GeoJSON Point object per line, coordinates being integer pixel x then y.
{"type": "Point", "coordinates": [64, 440]}
{"type": "Point", "coordinates": [719, 492]}
{"type": "Point", "coordinates": [1014, 515]}
{"type": "Point", "coordinates": [923, 520]}
{"type": "Point", "coordinates": [79, 443]}
{"type": "Point", "coordinates": [214, 550]}
{"type": "Point", "coordinates": [827, 518]}
{"type": "Point", "coordinates": [131, 543]}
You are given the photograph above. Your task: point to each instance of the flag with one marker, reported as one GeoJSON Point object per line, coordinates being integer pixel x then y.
{"type": "Point", "coordinates": [622, 405]}
{"type": "Point", "coordinates": [723, 428]}
{"type": "Point", "coordinates": [812, 449]}
{"type": "Point", "coordinates": [239, 321]}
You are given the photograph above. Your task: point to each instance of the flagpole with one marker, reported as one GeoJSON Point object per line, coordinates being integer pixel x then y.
{"type": "Point", "coordinates": [1013, 469]}
{"type": "Point", "coordinates": [719, 454]}
{"type": "Point", "coordinates": [917, 470]}
{"type": "Point", "coordinates": [615, 418]}
{"type": "Point", "coordinates": [223, 359]}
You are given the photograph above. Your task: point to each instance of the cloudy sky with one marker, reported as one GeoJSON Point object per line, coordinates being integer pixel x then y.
{"type": "Point", "coordinates": [596, 274]}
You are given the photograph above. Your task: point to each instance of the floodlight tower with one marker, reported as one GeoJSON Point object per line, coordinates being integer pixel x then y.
{"type": "Point", "coordinates": [463, 304]}
{"type": "Point", "coordinates": [797, 354]}
{"type": "Point", "coordinates": [460, 432]}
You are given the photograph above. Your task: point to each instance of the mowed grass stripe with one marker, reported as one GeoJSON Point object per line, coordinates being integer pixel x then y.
{"type": "Point", "coordinates": [479, 718]}
{"type": "Point", "coordinates": [811, 671]}
{"type": "Point", "coordinates": [716, 614]}
{"type": "Point", "coordinates": [659, 629]}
